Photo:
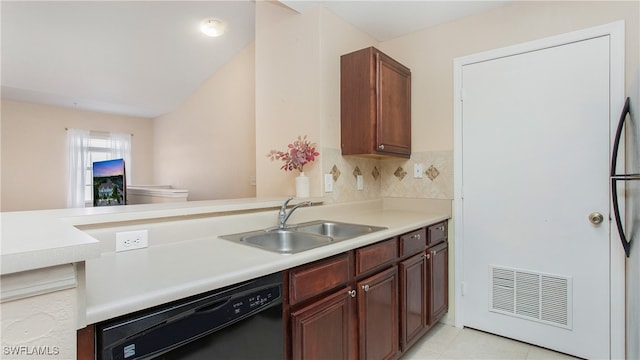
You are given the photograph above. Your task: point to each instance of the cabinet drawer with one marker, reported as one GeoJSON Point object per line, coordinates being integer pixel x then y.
{"type": "Point", "coordinates": [413, 242]}
{"type": "Point", "coordinates": [313, 279]}
{"type": "Point", "coordinates": [436, 233]}
{"type": "Point", "coordinates": [372, 256]}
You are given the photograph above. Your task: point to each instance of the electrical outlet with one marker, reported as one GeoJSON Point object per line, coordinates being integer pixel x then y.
{"type": "Point", "coordinates": [418, 170]}
{"type": "Point", "coordinates": [131, 240]}
{"type": "Point", "coordinates": [359, 182]}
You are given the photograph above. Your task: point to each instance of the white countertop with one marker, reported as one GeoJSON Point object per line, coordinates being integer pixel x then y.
{"type": "Point", "coordinates": [39, 239]}
{"type": "Point", "coordinates": [120, 283]}
{"type": "Point", "coordinates": [185, 255]}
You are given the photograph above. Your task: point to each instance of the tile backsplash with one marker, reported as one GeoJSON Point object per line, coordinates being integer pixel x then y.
{"type": "Point", "coordinates": [389, 177]}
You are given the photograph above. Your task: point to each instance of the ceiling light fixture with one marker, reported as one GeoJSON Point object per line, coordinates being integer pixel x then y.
{"type": "Point", "coordinates": [213, 27]}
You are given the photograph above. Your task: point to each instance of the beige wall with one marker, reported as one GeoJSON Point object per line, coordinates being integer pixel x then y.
{"type": "Point", "coordinates": [287, 93]}
{"type": "Point", "coordinates": [430, 53]}
{"type": "Point", "coordinates": [297, 87]}
{"type": "Point", "coordinates": [34, 151]}
{"type": "Point", "coordinates": [207, 145]}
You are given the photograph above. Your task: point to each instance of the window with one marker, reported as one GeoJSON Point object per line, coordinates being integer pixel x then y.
{"type": "Point", "coordinates": [86, 147]}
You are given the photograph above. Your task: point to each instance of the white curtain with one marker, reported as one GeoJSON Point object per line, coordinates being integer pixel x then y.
{"type": "Point", "coordinates": [78, 142]}
{"type": "Point", "coordinates": [120, 145]}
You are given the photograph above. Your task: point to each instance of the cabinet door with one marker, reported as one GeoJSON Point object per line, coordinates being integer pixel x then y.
{"type": "Point", "coordinates": [393, 88]}
{"type": "Point", "coordinates": [326, 328]}
{"type": "Point", "coordinates": [378, 315]}
{"type": "Point", "coordinates": [413, 299]}
{"type": "Point", "coordinates": [439, 281]}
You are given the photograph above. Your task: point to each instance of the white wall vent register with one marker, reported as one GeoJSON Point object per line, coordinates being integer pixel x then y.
{"type": "Point", "coordinates": [531, 295]}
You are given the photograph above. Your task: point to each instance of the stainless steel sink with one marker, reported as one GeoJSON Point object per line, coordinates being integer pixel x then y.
{"type": "Point", "coordinates": [302, 237]}
{"type": "Point", "coordinates": [336, 230]}
{"type": "Point", "coordinates": [286, 241]}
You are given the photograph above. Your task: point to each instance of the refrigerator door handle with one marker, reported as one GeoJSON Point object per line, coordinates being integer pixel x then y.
{"type": "Point", "coordinates": [626, 244]}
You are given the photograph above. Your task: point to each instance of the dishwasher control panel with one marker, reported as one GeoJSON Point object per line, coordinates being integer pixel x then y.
{"type": "Point", "coordinates": [251, 302]}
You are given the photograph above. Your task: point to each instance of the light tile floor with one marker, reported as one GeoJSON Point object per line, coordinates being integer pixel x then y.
{"type": "Point", "coordinates": [449, 342]}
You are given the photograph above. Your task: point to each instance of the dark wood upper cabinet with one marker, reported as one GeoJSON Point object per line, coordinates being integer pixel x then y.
{"type": "Point", "coordinates": [375, 105]}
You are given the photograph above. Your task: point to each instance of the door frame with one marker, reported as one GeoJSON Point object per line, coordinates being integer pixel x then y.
{"type": "Point", "coordinates": [615, 31]}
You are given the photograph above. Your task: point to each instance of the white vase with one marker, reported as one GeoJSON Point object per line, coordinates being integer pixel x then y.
{"type": "Point", "coordinates": [302, 186]}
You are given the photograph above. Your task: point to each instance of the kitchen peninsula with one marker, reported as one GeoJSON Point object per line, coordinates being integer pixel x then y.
{"type": "Point", "coordinates": [60, 272]}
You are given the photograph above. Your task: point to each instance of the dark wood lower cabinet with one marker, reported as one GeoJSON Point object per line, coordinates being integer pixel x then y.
{"type": "Point", "coordinates": [438, 265]}
{"type": "Point", "coordinates": [85, 345]}
{"type": "Point", "coordinates": [378, 315]}
{"type": "Point", "coordinates": [391, 293]}
{"type": "Point", "coordinates": [413, 295]}
{"type": "Point", "coordinates": [325, 329]}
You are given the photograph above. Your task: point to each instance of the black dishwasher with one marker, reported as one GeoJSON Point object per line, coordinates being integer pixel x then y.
{"type": "Point", "coordinates": [242, 321]}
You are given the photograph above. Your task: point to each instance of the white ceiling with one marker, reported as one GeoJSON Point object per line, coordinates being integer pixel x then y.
{"type": "Point", "coordinates": [384, 20]}
{"type": "Point", "coordinates": [145, 58]}
{"type": "Point", "coordinates": [139, 58]}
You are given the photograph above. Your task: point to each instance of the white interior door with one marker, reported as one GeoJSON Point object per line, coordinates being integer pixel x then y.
{"type": "Point", "coordinates": [535, 164]}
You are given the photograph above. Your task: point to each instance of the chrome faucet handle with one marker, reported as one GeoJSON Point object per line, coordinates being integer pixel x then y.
{"type": "Point", "coordinates": [286, 202]}
{"type": "Point", "coordinates": [283, 216]}
{"type": "Point", "coordinates": [283, 208]}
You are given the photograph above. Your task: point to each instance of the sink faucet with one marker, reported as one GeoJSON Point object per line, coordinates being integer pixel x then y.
{"type": "Point", "coordinates": [283, 216]}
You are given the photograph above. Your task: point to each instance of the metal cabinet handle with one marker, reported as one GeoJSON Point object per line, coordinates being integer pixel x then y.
{"type": "Point", "coordinates": [381, 147]}
{"type": "Point", "coordinates": [352, 293]}
{"type": "Point", "coordinates": [428, 256]}
{"type": "Point", "coordinates": [365, 287]}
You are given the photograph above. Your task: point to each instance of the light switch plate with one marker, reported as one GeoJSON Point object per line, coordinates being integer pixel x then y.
{"type": "Point", "coordinates": [359, 182]}
{"type": "Point", "coordinates": [328, 183]}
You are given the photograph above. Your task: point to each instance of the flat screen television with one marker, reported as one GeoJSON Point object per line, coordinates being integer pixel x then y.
{"type": "Point", "coordinates": [109, 183]}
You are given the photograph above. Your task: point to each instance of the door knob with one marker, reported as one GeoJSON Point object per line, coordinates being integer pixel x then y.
{"type": "Point", "coordinates": [596, 218]}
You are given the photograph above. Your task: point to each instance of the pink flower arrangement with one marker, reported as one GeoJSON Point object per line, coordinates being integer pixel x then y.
{"type": "Point", "coordinates": [301, 152]}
